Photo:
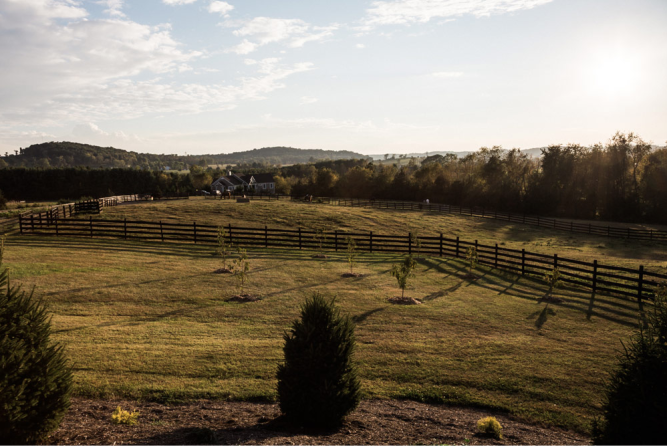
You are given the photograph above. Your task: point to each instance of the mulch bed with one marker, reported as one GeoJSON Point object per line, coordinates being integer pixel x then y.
{"type": "Point", "coordinates": [222, 270]}
{"type": "Point", "coordinates": [375, 422]}
{"type": "Point", "coordinates": [352, 275]}
{"type": "Point", "coordinates": [320, 256]}
{"type": "Point", "coordinates": [470, 277]}
{"type": "Point", "coordinates": [245, 298]}
{"type": "Point", "coordinates": [403, 300]}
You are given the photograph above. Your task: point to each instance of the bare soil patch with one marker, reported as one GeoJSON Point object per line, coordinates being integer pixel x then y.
{"type": "Point", "coordinates": [245, 298]}
{"type": "Point", "coordinates": [403, 300]}
{"type": "Point", "coordinates": [352, 275]}
{"type": "Point", "coordinates": [375, 422]}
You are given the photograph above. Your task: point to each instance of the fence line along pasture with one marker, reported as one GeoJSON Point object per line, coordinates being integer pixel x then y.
{"type": "Point", "coordinates": [555, 224]}
{"type": "Point", "coordinates": [635, 283]}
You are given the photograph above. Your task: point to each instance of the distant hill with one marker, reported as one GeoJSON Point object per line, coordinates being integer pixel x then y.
{"type": "Point", "coordinates": [534, 152]}
{"type": "Point", "coordinates": [67, 154]}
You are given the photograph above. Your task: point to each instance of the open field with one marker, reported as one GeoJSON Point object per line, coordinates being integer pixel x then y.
{"type": "Point", "coordinates": [149, 320]}
{"type": "Point", "coordinates": [285, 213]}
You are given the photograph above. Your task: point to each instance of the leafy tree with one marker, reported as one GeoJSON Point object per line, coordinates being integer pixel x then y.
{"type": "Point", "coordinates": [317, 384]}
{"type": "Point", "coordinates": [351, 253]}
{"type": "Point", "coordinates": [241, 268]}
{"type": "Point", "coordinates": [552, 280]}
{"type": "Point", "coordinates": [404, 271]}
{"type": "Point", "coordinates": [223, 247]}
{"type": "Point", "coordinates": [3, 202]}
{"type": "Point", "coordinates": [636, 401]}
{"type": "Point", "coordinates": [35, 378]}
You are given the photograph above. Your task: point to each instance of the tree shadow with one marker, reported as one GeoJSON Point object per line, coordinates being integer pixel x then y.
{"type": "Point", "coordinates": [363, 316]}
{"type": "Point", "coordinates": [435, 295]}
{"type": "Point", "coordinates": [542, 316]}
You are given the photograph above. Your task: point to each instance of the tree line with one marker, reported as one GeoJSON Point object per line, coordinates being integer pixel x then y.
{"type": "Point", "coordinates": [624, 179]}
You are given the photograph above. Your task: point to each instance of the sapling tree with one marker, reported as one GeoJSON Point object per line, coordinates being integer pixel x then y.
{"type": "Point", "coordinates": [321, 238]}
{"type": "Point", "coordinates": [403, 271]}
{"type": "Point", "coordinates": [552, 280]}
{"type": "Point", "coordinates": [472, 258]}
{"type": "Point", "coordinates": [351, 253]}
{"type": "Point", "coordinates": [241, 268]}
{"type": "Point", "coordinates": [414, 239]}
{"type": "Point", "coordinates": [223, 248]}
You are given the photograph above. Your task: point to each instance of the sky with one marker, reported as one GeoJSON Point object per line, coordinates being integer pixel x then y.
{"type": "Point", "coordinates": [374, 77]}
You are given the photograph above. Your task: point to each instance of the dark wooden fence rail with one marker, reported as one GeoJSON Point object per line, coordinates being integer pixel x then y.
{"type": "Point", "coordinates": [7, 225]}
{"type": "Point", "coordinates": [634, 283]}
{"type": "Point", "coordinates": [556, 224]}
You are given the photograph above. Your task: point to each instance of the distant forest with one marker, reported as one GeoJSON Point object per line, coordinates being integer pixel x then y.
{"type": "Point", "coordinates": [70, 155]}
{"type": "Point", "coordinates": [623, 180]}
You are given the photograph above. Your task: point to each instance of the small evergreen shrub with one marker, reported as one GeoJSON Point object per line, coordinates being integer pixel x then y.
{"type": "Point", "coordinates": [35, 378]}
{"type": "Point", "coordinates": [351, 253]}
{"type": "Point", "coordinates": [317, 384]}
{"type": "Point", "coordinates": [472, 258]}
{"type": "Point", "coordinates": [124, 417]}
{"type": "Point", "coordinates": [636, 402]}
{"type": "Point", "coordinates": [490, 426]}
{"type": "Point", "coordinates": [552, 279]}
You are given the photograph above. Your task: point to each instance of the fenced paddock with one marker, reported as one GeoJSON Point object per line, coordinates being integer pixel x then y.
{"type": "Point", "coordinates": [543, 222]}
{"type": "Point", "coordinates": [599, 277]}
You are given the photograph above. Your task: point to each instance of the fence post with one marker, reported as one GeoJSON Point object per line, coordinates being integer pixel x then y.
{"type": "Point", "coordinates": [410, 243]}
{"type": "Point", "coordinates": [595, 275]}
{"type": "Point", "coordinates": [32, 223]}
{"type": "Point", "coordinates": [336, 240]}
{"type": "Point", "coordinates": [608, 230]}
{"type": "Point", "coordinates": [91, 225]}
{"type": "Point", "coordinates": [125, 228]}
{"type": "Point", "coordinates": [589, 228]}
{"type": "Point", "coordinates": [161, 232]}
{"type": "Point", "coordinates": [628, 233]}
{"type": "Point", "coordinates": [571, 227]}
{"type": "Point", "coordinates": [370, 242]}
{"type": "Point", "coordinates": [56, 222]}
{"type": "Point", "coordinates": [299, 238]}
{"type": "Point", "coordinates": [441, 245]}
{"type": "Point", "coordinates": [457, 246]}
{"type": "Point", "coordinates": [651, 236]}
{"type": "Point", "coordinates": [555, 261]}
{"type": "Point", "coordinates": [21, 224]}
{"type": "Point", "coordinates": [640, 284]}
{"type": "Point", "coordinates": [495, 262]}
{"type": "Point", "coordinates": [230, 234]}
{"type": "Point", "coordinates": [266, 234]}
{"type": "Point", "coordinates": [523, 261]}
{"type": "Point", "coordinates": [194, 226]}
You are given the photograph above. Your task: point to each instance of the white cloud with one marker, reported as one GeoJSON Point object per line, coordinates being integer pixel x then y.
{"type": "Point", "coordinates": [114, 7]}
{"type": "Point", "coordinates": [56, 72]}
{"type": "Point", "coordinates": [178, 2]}
{"type": "Point", "coordinates": [264, 30]}
{"type": "Point", "coordinates": [222, 8]}
{"type": "Point", "coordinates": [361, 46]}
{"type": "Point", "coordinates": [447, 74]}
{"type": "Point", "coordinates": [127, 99]}
{"type": "Point", "coordinates": [307, 100]}
{"type": "Point", "coordinates": [399, 12]}
{"type": "Point", "coordinates": [245, 47]}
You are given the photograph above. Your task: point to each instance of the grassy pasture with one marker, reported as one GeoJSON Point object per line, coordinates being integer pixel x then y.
{"type": "Point", "coordinates": [149, 320]}
{"type": "Point", "coordinates": [284, 213]}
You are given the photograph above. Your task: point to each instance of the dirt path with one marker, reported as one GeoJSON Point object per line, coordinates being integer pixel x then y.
{"type": "Point", "coordinates": [224, 423]}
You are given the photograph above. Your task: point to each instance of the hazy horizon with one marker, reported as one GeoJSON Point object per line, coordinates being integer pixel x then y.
{"type": "Point", "coordinates": [372, 77]}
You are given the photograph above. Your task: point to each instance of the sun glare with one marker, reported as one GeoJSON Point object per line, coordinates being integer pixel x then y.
{"type": "Point", "coordinates": [614, 74]}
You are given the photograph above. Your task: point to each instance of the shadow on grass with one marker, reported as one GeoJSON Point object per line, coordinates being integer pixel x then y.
{"type": "Point", "coordinates": [364, 316]}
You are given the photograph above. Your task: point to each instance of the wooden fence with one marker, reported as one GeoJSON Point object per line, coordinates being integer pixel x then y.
{"type": "Point", "coordinates": [556, 224]}
{"type": "Point", "coordinates": [7, 225]}
{"type": "Point", "coordinates": [634, 283]}
{"type": "Point", "coordinates": [251, 196]}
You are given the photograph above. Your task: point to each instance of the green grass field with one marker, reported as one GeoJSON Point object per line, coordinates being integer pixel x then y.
{"type": "Point", "coordinates": [150, 321]}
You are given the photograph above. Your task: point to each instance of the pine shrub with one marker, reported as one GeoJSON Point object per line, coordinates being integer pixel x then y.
{"type": "Point", "coordinates": [317, 384]}
{"type": "Point", "coordinates": [490, 426]}
{"type": "Point", "coordinates": [636, 401]}
{"type": "Point", "coordinates": [35, 378]}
